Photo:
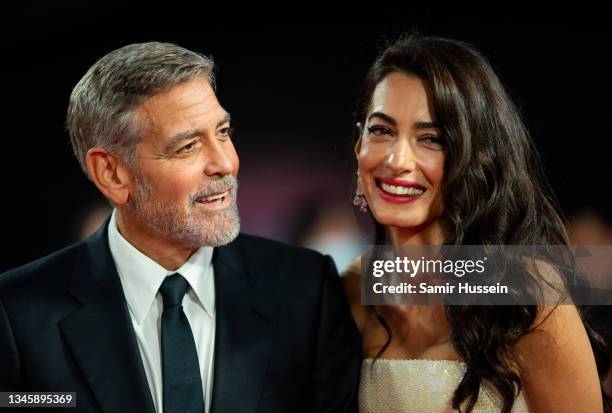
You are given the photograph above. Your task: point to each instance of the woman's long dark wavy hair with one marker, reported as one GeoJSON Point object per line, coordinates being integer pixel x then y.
{"type": "Point", "coordinates": [495, 193]}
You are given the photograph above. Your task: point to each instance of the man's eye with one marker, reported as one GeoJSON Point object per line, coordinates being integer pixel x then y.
{"type": "Point", "coordinates": [227, 131]}
{"type": "Point", "coordinates": [188, 148]}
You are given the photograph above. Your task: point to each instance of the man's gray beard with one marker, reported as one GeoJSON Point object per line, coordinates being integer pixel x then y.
{"type": "Point", "coordinates": [196, 227]}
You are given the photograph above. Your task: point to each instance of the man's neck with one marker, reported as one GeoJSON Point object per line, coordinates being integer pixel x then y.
{"type": "Point", "coordinates": [166, 252]}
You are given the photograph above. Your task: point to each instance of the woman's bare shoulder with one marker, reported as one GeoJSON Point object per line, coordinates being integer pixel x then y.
{"type": "Point", "coordinates": [557, 364]}
{"type": "Point", "coordinates": [351, 281]}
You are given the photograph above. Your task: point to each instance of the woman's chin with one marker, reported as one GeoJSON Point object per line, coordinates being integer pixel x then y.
{"type": "Point", "coordinates": [399, 222]}
{"type": "Point", "coordinates": [402, 227]}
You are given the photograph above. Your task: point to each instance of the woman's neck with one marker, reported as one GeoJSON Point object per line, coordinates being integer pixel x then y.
{"type": "Point", "coordinates": [427, 321]}
{"type": "Point", "coordinates": [430, 233]}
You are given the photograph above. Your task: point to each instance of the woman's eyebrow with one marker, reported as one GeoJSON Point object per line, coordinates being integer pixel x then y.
{"type": "Point", "coordinates": [392, 121]}
{"type": "Point", "coordinates": [426, 125]}
{"type": "Point", "coordinates": [382, 116]}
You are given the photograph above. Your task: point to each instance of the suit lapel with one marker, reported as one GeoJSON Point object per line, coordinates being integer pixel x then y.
{"type": "Point", "coordinates": [99, 335]}
{"type": "Point", "coordinates": [245, 324]}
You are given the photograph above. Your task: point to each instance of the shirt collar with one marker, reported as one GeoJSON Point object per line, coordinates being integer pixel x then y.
{"type": "Point", "coordinates": [141, 277]}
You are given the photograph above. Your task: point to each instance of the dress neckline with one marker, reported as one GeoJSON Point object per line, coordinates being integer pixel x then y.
{"type": "Point", "coordinates": [415, 361]}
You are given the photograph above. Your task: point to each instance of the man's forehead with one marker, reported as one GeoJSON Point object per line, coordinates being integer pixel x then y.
{"type": "Point", "coordinates": [184, 95]}
{"type": "Point", "coordinates": [191, 104]}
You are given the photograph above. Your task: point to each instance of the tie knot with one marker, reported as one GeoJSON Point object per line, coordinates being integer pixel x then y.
{"type": "Point", "coordinates": [173, 289]}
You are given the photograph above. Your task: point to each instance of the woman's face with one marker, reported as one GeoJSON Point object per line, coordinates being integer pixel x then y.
{"type": "Point", "coordinates": [400, 154]}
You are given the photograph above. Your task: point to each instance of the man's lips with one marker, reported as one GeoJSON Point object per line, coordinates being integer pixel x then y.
{"type": "Point", "coordinates": [398, 190]}
{"type": "Point", "coordinates": [215, 201]}
{"type": "Point", "coordinates": [213, 197]}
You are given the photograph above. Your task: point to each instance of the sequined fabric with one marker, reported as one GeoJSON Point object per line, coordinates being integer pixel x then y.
{"type": "Point", "coordinates": [419, 386]}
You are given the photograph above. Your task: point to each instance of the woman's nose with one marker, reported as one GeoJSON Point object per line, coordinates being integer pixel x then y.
{"type": "Point", "coordinates": [401, 157]}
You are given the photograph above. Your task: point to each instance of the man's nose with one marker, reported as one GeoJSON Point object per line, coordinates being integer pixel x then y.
{"type": "Point", "coordinates": [220, 160]}
{"type": "Point", "coordinates": [401, 157]}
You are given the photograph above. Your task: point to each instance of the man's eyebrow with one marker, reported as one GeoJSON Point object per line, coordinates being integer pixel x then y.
{"type": "Point", "coordinates": [392, 121]}
{"type": "Point", "coordinates": [192, 133]}
{"type": "Point", "coordinates": [226, 119]}
{"type": "Point", "coordinates": [183, 136]}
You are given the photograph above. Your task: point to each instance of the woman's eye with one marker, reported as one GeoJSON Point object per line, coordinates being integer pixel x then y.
{"type": "Point", "coordinates": [433, 140]}
{"type": "Point", "coordinates": [378, 130]}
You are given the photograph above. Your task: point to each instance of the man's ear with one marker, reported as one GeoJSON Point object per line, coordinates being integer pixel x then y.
{"type": "Point", "coordinates": [110, 174]}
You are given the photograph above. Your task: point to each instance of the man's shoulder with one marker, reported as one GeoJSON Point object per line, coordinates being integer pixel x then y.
{"type": "Point", "coordinates": [291, 273]}
{"type": "Point", "coordinates": [43, 271]}
{"type": "Point", "coordinates": [277, 251]}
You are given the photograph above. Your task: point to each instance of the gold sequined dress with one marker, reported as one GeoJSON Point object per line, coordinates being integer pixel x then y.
{"type": "Point", "coordinates": [419, 386]}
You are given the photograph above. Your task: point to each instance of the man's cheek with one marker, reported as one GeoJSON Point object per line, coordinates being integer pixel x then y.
{"type": "Point", "coordinates": [236, 162]}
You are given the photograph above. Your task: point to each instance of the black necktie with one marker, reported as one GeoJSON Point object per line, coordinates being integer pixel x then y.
{"type": "Point", "coordinates": [181, 378]}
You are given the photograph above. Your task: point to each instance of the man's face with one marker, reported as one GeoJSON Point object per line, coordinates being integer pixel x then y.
{"type": "Point", "coordinates": [185, 182]}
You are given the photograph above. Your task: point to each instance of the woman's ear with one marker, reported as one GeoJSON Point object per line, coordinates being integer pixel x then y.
{"type": "Point", "coordinates": [110, 174]}
{"type": "Point", "coordinates": [358, 144]}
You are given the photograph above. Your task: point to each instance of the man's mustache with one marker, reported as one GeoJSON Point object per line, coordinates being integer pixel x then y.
{"type": "Point", "coordinates": [227, 183]}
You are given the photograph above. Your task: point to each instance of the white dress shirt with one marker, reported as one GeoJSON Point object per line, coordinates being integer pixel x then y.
{"type": "Point", "coordinates": [141, 278]}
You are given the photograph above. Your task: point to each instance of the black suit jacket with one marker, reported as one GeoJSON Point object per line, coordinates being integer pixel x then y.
{"type": "Point", "coordinates": [285, 340]}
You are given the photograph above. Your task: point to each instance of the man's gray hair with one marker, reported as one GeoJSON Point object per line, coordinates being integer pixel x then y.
{"type": "Point", "coordinates": [103, 105]}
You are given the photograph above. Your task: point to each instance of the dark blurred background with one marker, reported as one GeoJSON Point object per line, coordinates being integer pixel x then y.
{"type": "Point", "coordinates": [291, 86]}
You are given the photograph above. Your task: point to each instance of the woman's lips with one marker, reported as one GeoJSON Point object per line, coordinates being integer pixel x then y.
{"type": "Point", "coordinates": [398, 191]}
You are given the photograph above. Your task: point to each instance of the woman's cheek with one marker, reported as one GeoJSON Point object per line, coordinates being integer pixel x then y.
{"type": "Point", "coordinates": [371, 156]}
{"type": "Point", "coordinates": [433, 171]}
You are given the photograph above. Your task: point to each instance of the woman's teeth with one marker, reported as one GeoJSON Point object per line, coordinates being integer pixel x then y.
{"type": "Point", "coordinates": [400, 190]}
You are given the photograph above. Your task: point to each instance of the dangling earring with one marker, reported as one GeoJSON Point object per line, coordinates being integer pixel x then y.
{"type": "Point", "coordinates": [359, 199]}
